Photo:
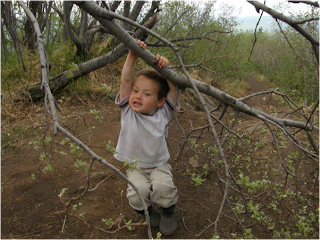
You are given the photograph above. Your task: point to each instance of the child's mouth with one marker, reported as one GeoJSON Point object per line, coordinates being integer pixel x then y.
{"type": "Point", "coordinates": [137, 104]}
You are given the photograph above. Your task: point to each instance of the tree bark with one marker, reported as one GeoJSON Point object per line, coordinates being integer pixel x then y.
{"type": "Point", "coordinates": [37, 8]}
{"type": "Point", "coordinates": [3, 44]}
{"type": "Point", "coordinates": [126, 12]}
{"type": "Point", "coordinates": [115, 5]}
{"type": "Point", "coordinates": [67, 6]}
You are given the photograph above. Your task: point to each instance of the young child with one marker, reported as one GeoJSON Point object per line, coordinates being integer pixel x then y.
{"type": "Point", "coordinates": [146, 105]}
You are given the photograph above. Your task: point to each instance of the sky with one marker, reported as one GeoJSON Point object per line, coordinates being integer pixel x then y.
{"type": "Point", "coordinates": [248, 10]}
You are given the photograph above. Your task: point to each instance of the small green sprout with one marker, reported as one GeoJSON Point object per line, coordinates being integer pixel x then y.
{"type": "Point", "coordinates": [133, 165]}
{"type": "Point", "coordinates": [108, 222]}
{"type": "Point", "coordinates": [48, 168]}
{"type": "Point", "coordinates": [197, 180]}
{"type": "Point", "coordinates": [63, 191]}
{"type": "Point", "coordinates": [128, 223]}
{"type": "Point", "coordinates": [96, 115]}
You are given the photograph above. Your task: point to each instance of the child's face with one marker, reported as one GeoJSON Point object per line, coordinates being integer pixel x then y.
{"type": "Point", "coordinates": [144, 96]}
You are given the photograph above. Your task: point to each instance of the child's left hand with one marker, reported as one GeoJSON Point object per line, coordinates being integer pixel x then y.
{"type": "Point", "coordinates": [162, 61]}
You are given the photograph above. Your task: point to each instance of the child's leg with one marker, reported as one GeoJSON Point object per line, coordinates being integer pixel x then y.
{"type": "Point", "coordinates": [165, 194]}
{"type": "Point", "coordinates": [141, 180]}
{"type": "Point", "coordinates": [164, 191]}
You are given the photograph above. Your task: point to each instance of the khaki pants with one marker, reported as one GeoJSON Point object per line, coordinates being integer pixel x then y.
{"type": "Point", "coordinates": [155, 185]}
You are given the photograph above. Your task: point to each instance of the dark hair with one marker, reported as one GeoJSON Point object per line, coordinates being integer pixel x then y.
{"type": "Point", "coordinates": [158, 78]}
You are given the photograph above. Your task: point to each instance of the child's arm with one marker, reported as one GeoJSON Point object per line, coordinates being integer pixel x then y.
{"type": "Point", "coordinates": [172, 91]}
{"type": "Point", "coordinates": [128, 70]}
{"type": "Point", "coordinates": [163, 62]}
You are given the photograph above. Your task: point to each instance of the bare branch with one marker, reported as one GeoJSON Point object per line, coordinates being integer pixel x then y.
{"type": "Point", "coordinates": [313, 3]}
{"type": "Point", "coordinates": [313, 40]}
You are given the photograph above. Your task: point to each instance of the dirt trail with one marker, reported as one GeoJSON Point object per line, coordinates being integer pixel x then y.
{"type": "Point", "coordinates": [31, 208]}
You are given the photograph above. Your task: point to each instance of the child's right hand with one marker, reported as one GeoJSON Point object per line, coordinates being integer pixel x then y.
{"type": "Point", "coordinates": [162, 61]}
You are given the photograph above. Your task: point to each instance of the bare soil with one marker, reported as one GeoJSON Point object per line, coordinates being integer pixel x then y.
{"type": "Point", "coordinates": [31, 207]}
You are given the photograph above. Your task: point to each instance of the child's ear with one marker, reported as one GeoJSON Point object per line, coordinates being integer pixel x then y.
{"type": "Point", "coordinates": [161, 102]}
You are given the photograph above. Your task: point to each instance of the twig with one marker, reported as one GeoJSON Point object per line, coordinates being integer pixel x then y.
{"type": "Point", "coordinates": [184, 223]}
{"type": "Point", "coordinates": [255, 34]}
{"type": "Point", "coordinates": [64, 222]}
{"type": "Point", "coordinates": [122, 227]}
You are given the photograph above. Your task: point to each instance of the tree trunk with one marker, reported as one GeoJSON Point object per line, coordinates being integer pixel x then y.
{"type": "Point", "coordinates": [126, 12]}
{"type": "Point", "coordinates": [36, 8]}
{"type": "Point", "coordinates": [3, 44]}
{"type": "Point", "coordinates": [81, 52]}
{"type": "Point", "coordinates": [9, 20]}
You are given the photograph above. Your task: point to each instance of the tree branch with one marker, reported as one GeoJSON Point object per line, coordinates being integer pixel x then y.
{"type": "Point", "coordinates": [313, 3]}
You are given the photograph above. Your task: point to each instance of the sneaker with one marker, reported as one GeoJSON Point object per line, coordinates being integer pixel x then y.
{"type": "Point", "coordinates": [168, 220]}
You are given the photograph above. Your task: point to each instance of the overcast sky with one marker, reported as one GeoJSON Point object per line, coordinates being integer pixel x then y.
{"type": "Point", "coordinates": [247, 9]}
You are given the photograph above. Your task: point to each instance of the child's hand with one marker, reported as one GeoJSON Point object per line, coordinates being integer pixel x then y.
{"type": "Point", "coordinates": [162, 61]}
{"type": "Point", "coordinates": [141, 44]}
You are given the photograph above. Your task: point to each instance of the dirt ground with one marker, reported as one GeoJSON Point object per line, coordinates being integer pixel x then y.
{"type": "Point", "coordinates": [31, 207]}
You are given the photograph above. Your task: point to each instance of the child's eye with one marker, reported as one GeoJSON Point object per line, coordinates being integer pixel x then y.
{"type": "Point", "coordinates": [147, 94]}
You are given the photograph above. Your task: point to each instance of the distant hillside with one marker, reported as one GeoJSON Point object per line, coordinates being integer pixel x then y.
{"type": "Point", "coordinates": [249, 23]}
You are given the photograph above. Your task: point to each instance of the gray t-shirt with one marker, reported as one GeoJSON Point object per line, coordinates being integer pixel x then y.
{"type": "Point", "coordinates": [144, 136]}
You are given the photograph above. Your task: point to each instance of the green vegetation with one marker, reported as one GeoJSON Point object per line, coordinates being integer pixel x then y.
{"type": "Point", "coordinates": [16, 136]}
{"type": "Point", "coordinates": [292, 69]}
{"type": "Point", "coordinates": [96, 115]}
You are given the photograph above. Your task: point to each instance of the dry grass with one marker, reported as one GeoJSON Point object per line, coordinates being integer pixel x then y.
{"type": "Point", "coordinates": [235, 88]}
{"type": "Point", "coordinates": [21, 122]}
{"type": "Point", "coordinates": [15, 78]}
